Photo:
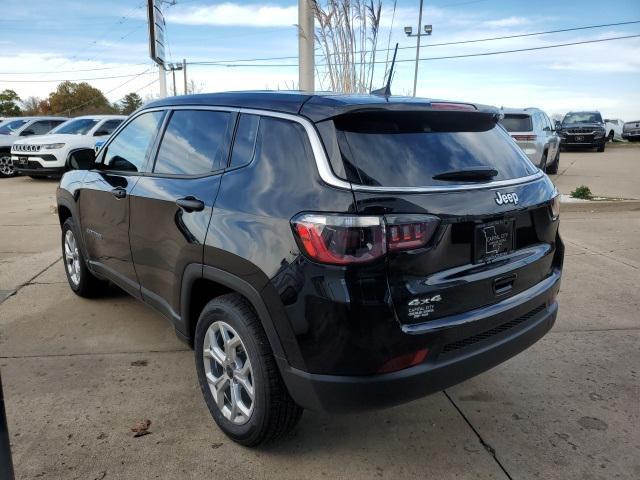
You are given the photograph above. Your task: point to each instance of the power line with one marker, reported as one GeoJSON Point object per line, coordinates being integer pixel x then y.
{"type": "Point", "coordinates": [558, 45]}
{"type": "Point", "coordinates": [460, 42]}
{"type": "Point", "coordinates": [69, 79]}
{"type": "Point", "coordinates": [74, 70]}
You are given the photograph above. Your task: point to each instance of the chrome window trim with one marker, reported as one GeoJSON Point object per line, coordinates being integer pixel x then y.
{"type": "Point", "coordinates": [322, 162]}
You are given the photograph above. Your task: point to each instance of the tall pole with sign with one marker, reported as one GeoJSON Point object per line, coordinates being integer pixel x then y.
{"type": "Point", "coordinates": [156, 41]}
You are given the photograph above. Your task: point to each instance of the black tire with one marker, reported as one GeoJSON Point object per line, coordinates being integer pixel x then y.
{"type": "Point", "coordinates": [543, 161]}
{"type": "Point", "coordinates": [6, 165]}
{"type": "Point", "coordinates": [610, 136]}
{"type": "Point", "coordinates": [553, 168]}
{"type": "Point", "coordinates": [601, 146]}
{"type": "Point", "coordinates": [87, 285]}
{"type": "Point", "coordinates": [274, 412]}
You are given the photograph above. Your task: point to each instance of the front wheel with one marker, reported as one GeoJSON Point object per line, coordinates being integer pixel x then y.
{"type": "Point", "coordinates": [81, 280]}
{"type": "Point", "coordinates": [610, 136]}
{"type": "Point", "coordinates": [601, 147]}
{"type": "Point", "coordinates": [238, 375]}
{"type": "Point", "coordinates": [6, 165]}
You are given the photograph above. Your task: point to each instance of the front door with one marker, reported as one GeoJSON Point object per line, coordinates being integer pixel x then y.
{"type": "Point", "coordinates": [105, 201]}
{"type": "Point", "coordinates": [171, 207]}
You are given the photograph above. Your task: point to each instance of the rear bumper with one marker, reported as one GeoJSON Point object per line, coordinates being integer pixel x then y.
{"type": "Point", "coordinates": [507, 333]}
{"type": "Point", "coordinates": [631, 135]}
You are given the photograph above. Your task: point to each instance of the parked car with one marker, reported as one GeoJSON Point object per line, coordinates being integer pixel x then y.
{"type": "Point", "coordinates": [48, 155]}
{"type": "Point", "coordinates": [14, 128]}
{"type": "Point", "coordinates": [631, 131]}
{"type": "Point", "coordinates": [613, 128]}
{"type": "Point", "coordinates": [330, 252]}
{"type": "Point", "coordinates": [535, 135]}
{"type": "Point", "coordinates": [584, 130]}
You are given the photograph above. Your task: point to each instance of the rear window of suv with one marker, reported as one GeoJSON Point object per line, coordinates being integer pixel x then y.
{"type": "Point", "coordinates": [516, 122]}
{"type": "Point", "coordinates": [407, 149]}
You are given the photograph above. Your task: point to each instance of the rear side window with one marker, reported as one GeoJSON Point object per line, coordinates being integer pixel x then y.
{"type": "Point", "coordinates": [129, 149]}
{"type": "Point", "coordinates": [44, 126]}
{"type": "Point", "coordinates": [108, 127]}
{"type": "Point", "coordinates": [516, 123]}
{"type": "Point", "coordinates": [407, 149]}
{"type": "Point", "coordinates": [245, 141]}
{"type": "Point", "coordinates": [195, 143]}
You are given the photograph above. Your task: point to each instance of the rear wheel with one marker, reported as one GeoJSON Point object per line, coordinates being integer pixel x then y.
{"type": "Point", "coordinates": [238, 375]}
{"type": "Point", "coordinates": [6, 165]}
{"type": "Point", "coordinates": [553, 168]}
{"type": "Point", "coordinates": [80, 279]}
{"type": "Point", "coordinates": [543, 161]}
{"type": "Point", "coordinates": [610, 136]}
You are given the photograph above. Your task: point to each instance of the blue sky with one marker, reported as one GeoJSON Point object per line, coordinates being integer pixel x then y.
{"type": "Point", "coordinates": [69, 36]}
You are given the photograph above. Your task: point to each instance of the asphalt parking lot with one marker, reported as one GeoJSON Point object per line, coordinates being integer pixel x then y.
{"type": "Point", "coordinates": [79, 373]}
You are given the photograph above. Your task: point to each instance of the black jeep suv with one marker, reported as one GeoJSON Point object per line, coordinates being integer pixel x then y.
{"type": "Point", "coordinates": [583, 130]}
{"type": "Point", "coordinates": [329, 252]}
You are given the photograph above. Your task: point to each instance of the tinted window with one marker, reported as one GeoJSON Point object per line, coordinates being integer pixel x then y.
{"type": "Point", "coordinates": [517, 123]}
{"type": "Point", "coordinates": [43, 126]}
{"type": "Point", "coordinates": [128, 150]}
{"type": "Point", "coordinates": [245, 141]}
{"type": "Point", "coordinates": [11, 126]}
{"type": "Point", "coordinates": [583, 117]}
{"type": "Point", "coordinates": [77, 127]}
{"type": "Point", "coordinates": [194, 143]}
{"type": "Point", "coordinates": [399, 149]}
{"type": "Point", "coordinates": [108, 127]}
{"type": "Point", "coordinates": [282, 142]}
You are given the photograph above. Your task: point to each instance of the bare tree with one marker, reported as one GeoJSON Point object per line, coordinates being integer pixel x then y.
{"type": "Point", "coordinates": [194, 87]}
{"type": "Point", "coordinates": [347, 34]}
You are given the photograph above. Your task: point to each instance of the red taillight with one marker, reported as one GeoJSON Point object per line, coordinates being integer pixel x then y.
{"type": "Point", "coordinates": [351, 239]}
{"type": "Point", "coordinates": [524, 138]}
{"type": "Point", "coordinates": [452, 106]}
{"type": "Point", "coordinates": [404, 361]}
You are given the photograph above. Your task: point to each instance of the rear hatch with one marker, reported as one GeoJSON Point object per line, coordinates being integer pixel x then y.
{"type": "Point", "coordinates": [495, 234]}
{"type": "Point", "coordinates": [520, 127]}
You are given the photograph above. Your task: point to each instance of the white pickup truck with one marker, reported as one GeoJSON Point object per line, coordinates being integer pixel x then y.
{"type": "Point", "coordinates": [613, 127]}
{"type": "Point", "coordinates": [47, 155]}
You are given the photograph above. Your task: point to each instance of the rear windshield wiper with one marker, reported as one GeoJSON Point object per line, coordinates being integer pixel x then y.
{"type": "Point", "coordinates": [469, 174]}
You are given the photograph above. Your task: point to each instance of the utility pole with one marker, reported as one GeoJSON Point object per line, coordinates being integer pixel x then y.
{"type": "Point", "coordinates": [305, 46]}
{"type": "Point", "coordinates": [427, 31]}
{"type": "Point", "coordinates": [415, 73]}
{"type": "Point", "coordinates": [173, 72]}
{"type": "Point", "coordinates": [163, 81]}
{"type": "Point", "coordinates": [184, 73]}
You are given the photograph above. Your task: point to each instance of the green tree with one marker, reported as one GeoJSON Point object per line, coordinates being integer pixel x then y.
{"type": "Point", "coordinates": [9, 103]}
{"type": "Point", "coordinates": [78, 99]}
{"type": "Point", "coordinates": [130, 103]}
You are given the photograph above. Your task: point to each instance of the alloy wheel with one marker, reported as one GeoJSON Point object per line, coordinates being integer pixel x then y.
{"type": "Point", "coordinates": [6, 165]}
{"type": "Point", "coordinates": [72, 257]}
{"type": "Point", "coordinates": [228, 372]}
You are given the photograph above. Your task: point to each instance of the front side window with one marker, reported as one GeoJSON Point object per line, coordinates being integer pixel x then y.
{"type": "Point", "coordinates": [409, 149]}
{"type": "Point", "coordinates": [195, 143]}
{"type": "Point", "coordinates": [129, 149]}
{"type": "Point", "coordinates": [11, 126]}
{"type": "Point", "coordinates": [81, 126]}
{"type": "Point", "coordinates": [108, 127]}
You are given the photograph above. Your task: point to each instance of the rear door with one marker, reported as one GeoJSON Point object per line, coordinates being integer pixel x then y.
{"type": "Point", "coordinates": [495, 237]}
{"type": "Point", "coordinates": [171, 207]}
{"type": "Point", "coordinates": [105, 200]}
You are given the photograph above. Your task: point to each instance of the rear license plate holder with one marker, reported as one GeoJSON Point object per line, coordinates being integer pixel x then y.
{"type": "Point", "coordinates": [493, 240]}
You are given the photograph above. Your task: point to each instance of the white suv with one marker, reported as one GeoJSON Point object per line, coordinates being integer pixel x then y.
{"type": "Point", "coordinates": [11, 129]}
{"type": "Point", "coordinates": [48, 155]}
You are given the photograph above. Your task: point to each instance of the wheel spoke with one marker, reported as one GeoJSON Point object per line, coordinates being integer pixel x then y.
{"type": "Point", "coordinates": [245, 383]}
{"type": "Point", "coordinates": [216, 354]}
{"type": "Point", "coordinates": [218, 387]}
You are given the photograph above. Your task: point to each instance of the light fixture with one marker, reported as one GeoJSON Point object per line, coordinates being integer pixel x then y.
{"type": "Point", "coordinates": [408, 30]}
{"type": "Point", "coordinates": [428, 29]}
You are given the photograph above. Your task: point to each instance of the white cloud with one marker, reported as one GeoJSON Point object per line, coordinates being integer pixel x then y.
{"type": "Point", "coordinates": [508, 22]}
{"type": "Point", "coordinates": [234, 14]}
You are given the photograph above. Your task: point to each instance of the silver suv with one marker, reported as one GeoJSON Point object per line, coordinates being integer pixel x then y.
{"type": "Point", "coordinates": [534, 133]}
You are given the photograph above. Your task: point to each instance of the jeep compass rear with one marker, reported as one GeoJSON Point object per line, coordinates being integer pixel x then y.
{"type": "Point", "coordinates": [330, 252]}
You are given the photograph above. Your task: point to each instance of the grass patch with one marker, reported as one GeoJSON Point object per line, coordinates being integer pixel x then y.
{"type": "Point", "coordinates": [583, 192]}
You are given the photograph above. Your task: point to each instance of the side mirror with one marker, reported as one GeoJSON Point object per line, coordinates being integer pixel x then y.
{"type": "Point", "coordinates": [101, 133]}
{"type": "Point", "coordinates": [26, 133]}
{"type": "Point", "coordinates": [558, 125]}
{"type": "Point", "coordinates": [84, 159]}
{"type": "Point", "coordinates": [98, 145]}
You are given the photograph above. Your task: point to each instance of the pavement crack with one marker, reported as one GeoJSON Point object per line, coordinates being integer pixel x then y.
{"type": "Point", "coordinates": [603, 254]}
{"type": "Point", "coordinates": [487, 446]}
{"type": "Point", "coordinates": [19, 287]}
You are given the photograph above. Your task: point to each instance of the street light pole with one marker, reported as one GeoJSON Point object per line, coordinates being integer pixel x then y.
{"type": "Point", "coordinates": [305, 46]}
{"type": "Point", "coordinates": [415, 73]}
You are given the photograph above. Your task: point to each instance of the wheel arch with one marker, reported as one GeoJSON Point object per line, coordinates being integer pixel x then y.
{"type": "Point", "coordinates": [199, 279]}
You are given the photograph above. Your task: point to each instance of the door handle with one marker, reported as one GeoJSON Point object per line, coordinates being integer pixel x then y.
{"type": "Point", "coordinates": [190, 204]}
{"type": "Point", "coordinates": [119, 192]}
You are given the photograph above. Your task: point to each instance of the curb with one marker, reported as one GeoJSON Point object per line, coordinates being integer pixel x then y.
{"type": "Point", "coordinates": [601, 206]}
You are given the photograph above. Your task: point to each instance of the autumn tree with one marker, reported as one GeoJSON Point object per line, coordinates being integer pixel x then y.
{"type": "Point", "coordinates": [130, 103]}
{"type": "Point", "coordinates": [9, 103]}
{"type": "Point", "coordinates": [36, 106]}
{"type": "Point", "coordinates": [78, 99]}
